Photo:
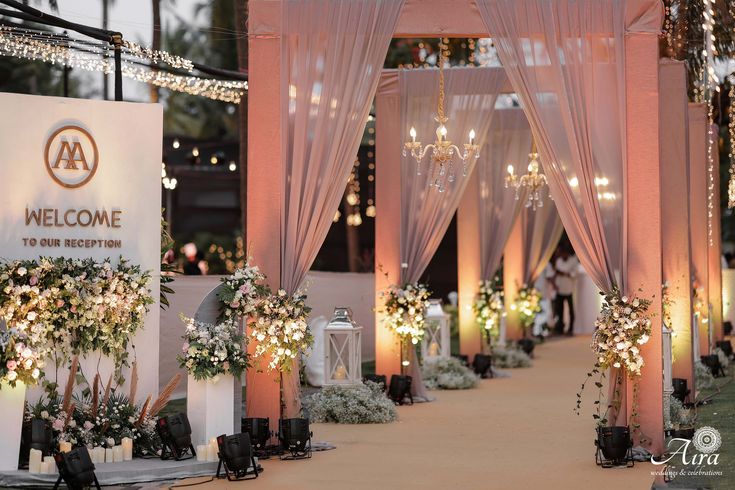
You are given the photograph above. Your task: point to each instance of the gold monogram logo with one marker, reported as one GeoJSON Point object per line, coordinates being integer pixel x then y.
{"type": "Point", "coordinates": [71, 156]}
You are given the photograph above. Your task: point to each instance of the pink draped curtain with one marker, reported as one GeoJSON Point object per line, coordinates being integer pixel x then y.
{"type": "Point", "coordinates": [332, 54]}
{"type": "Point", "coordinates": [566, 61]}
{"type": "Point", "coordinates": [426, 213]}
{"type": "Point", "coordinates": [508, 142]}
{"type": "Point", "coordinates": [470, 103]}
{"type": "Point", "coordinates": [541, 231]}
{"type": "Point", "coordinates": [331, 57]}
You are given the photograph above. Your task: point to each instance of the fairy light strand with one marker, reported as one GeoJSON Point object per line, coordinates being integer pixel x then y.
{"type": "Point", "coordinates": [710, 85]}
{"type": "Point", "coordinates": [73, 53]}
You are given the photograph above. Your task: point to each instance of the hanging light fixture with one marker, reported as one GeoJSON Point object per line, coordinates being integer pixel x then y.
{"type": "Point", "coordinates": [443, 151]}
{"type": "Point", "coordinates": [533, 182]}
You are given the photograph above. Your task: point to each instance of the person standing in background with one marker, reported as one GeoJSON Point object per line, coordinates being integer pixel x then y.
{"type": "Point", "coordinates": [565, 274]}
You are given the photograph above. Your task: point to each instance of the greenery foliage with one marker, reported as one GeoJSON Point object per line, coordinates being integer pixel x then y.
{"type": "Point", "coordinates": [447, 374]}
{"type": "Point", "coordinates": [358, 404]}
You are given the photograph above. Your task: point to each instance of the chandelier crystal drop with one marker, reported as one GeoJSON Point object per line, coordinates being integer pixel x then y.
{"type": "Point", "coordinates": [533, 182]}
{"type": "Point", "coordinates": [442, 152]}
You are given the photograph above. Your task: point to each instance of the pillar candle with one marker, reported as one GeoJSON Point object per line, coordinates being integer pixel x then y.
{"type": "Point", "coordinates": [64, 446]}
{"type": "Point", "coordinates": [202, 452]}
{"type": "Point", "coordinates": [117, 454]}
{"type": "Point", "coordinates": [44, 467]}
{"type": "Point", "coordinates": [34, 461]}
{"type": "Point", "coordinates": [212, 452]}
{"type": "Point", "coordinates": [127, 445]}
{"type": "Point", "coordinates": [50, 464]}
{"type": "Point", "coordinates": [109, 458]}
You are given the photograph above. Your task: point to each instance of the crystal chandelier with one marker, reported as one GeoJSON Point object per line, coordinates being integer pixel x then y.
{"type": "Point", "coordinates": [443, 151]}
{"type": "Point", "coordinates": [533, 182]}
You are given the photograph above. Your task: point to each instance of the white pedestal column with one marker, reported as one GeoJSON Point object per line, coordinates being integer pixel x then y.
{"type": "Point", "coordinates": [209, 406]}
{"type": "Point", "coordinates": [11, 423]}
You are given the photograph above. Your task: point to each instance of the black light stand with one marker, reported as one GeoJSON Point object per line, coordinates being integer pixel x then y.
{"type": "Point", "coordinates": [400, 389]}
{"type": "Point", "coordinates": [295, 438]}
{"type": "Point", "coordinates": [614, 447]}
{"type": "Point", "coordinates": [175, 434]}
{"type": "Point", "coordinates": [483, 365]}
{"type": "Point", "coordinates": [260, 434]}
{"type": "Point", "coordinates": [236, 457]}
{"type": "Point", "coordinates": [76, 469]}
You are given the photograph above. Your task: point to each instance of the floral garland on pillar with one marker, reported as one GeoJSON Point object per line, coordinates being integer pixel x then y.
{"type": "Point", "coordinates": [280, 327]}
{"type": "Point", "coordinates": [622, 326]}
{"type": "Point", "coordinates": [528, 305]}
{"type": "Point", "coordinates": [489, 310]}
{"type": "Point", "coordinates": [69, 307]}
{"type": "Point", "coordinates": [404, 309]}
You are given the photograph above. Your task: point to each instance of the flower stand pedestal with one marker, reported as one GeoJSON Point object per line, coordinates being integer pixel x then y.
{"type": "Point", "coordinates": [12, 401]}
{"type": "Point", "coordinates": [209, 406]}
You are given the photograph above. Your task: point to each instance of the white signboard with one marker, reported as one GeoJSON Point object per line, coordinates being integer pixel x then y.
{"type": "Point", "coordinates": [81, 178]}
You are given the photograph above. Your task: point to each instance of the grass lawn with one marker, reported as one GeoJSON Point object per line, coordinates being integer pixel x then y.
{"type": "Point", "coordinates": [720, 414]}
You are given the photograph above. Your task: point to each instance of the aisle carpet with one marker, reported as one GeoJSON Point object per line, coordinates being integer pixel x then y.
{"type": "Point", "coordinates": [511, 433]}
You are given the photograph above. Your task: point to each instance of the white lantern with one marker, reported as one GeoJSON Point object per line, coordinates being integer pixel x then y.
{"type": "Point", "coordinates": [342, 349]}
{"type": "Point", "coordinates": [436, 341]}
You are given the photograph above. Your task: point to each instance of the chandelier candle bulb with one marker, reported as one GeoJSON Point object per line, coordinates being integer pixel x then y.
{"type": "Point", "coordinates": [413, 134]}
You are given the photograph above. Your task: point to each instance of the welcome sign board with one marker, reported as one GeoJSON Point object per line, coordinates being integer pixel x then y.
{"type": "Point", "coordinates": [81, 178]}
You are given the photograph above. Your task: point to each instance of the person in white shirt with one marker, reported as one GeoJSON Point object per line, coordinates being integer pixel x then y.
{"type": "Point", "coordinates": [565, 274]}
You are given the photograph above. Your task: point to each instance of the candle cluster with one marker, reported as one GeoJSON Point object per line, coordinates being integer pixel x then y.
{"type": "Point", "coordinates": [208, 452]}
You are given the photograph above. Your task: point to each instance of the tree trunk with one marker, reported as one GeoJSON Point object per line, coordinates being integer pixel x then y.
{"type": "Point", "coordinates": [156, 42]}
{"type": "Point", "coordinates": [241, 26]}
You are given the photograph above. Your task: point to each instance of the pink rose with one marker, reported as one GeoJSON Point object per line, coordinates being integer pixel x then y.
{"type": "Point", "coordinates": [245, 288]}
{"type": "Point", "coordinates": [58, 425]}
{"type": "Point", "coordinates": [226, 366]}
{"type": "Point", "coordinates": [88, 425]}
{"type": "Point", "coordinates": [59, 303]}
{"type": "Point", "coordinates": [33, 281]}
{"type": "Point", "coordinates": [234, 304]}
{"type": "Point", "coordinates": [185, 347]}
{"type": "Point", "coordinates": [11, 365]}
{"type": "Point", "coordinates": [73, 309]}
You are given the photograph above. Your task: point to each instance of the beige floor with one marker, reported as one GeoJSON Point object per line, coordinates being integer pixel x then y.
{"type": "Point", "coordinates": [511, 433]}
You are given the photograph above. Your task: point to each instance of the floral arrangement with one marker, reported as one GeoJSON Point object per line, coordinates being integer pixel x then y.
{"type": "Point", "coordinates": [280, 326]}
{"type": "Point", "coordinates": [528, 304]}
{"type": "Point", "coordinates": [680, 417]}
{"type": "Point", "coordinates": [621, 328]}
{"type": "Point", "coordinates": [102, 417]}
{"type": "Point", "coordinates": [241, 291]}
{"type": "Point", "coordinates": [74, 306]}
{"type": "Point", "coordinates": [404, 308]}
{"type": "Point", "coordinates": [447, 374]}
{"type": "Point", "coordinates": [703, 378]}
{"type": "Point", "coordinates": [212, 350]}
{"type": "Point", "coordinates": [359, 404]}
{"type": "Point", "coordinates": [489, 309]}
{"type": "Point", "coordinates": [19, 363]}
{"type": "Point", "coordinates": [510, 358]}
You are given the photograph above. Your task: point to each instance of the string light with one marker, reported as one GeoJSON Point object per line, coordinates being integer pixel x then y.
{"type": "Point", "coordinates": [73, 53]}
{"type": "Point", "coordinates": [710, 85]}
{"type": "Point", "coordinates": [731, 131]}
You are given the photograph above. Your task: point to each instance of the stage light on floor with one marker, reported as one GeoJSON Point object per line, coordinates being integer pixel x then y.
{"type": "Point", "coordinates": [400, 389]}
{"type": "Point", "coordinates": [175, 434]}
{"type": "Point", "coordinates": [260, 433]}
{"type": "Point", "coordinates": [614, 447]}
{"type": "Point", "coordinates": [483, 365]}
{"type": "Point", "coordinates": [681, 390]}
{"type": "Point", "coordinates": [76, 469]}
{"type": "Point", "coordinates": [295, 438]}
{"type": "Point", "coordinates": [36, 434]}
{"type": "Point", "coordinates": [236, 456]}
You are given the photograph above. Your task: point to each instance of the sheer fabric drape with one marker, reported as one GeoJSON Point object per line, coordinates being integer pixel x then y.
{"type": "Point", "coordinates": [565, 59]}
{"type": "Point", "coordinates": [541, 231]}
{"type": "Point", "coordinates": [508, 143]}
{"type": "Point", "coordinates": [425, 212]}
{"type": "Point", "coordinates": [470, 104]}
{"type": "Point", "coordinates": [332, 56]}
